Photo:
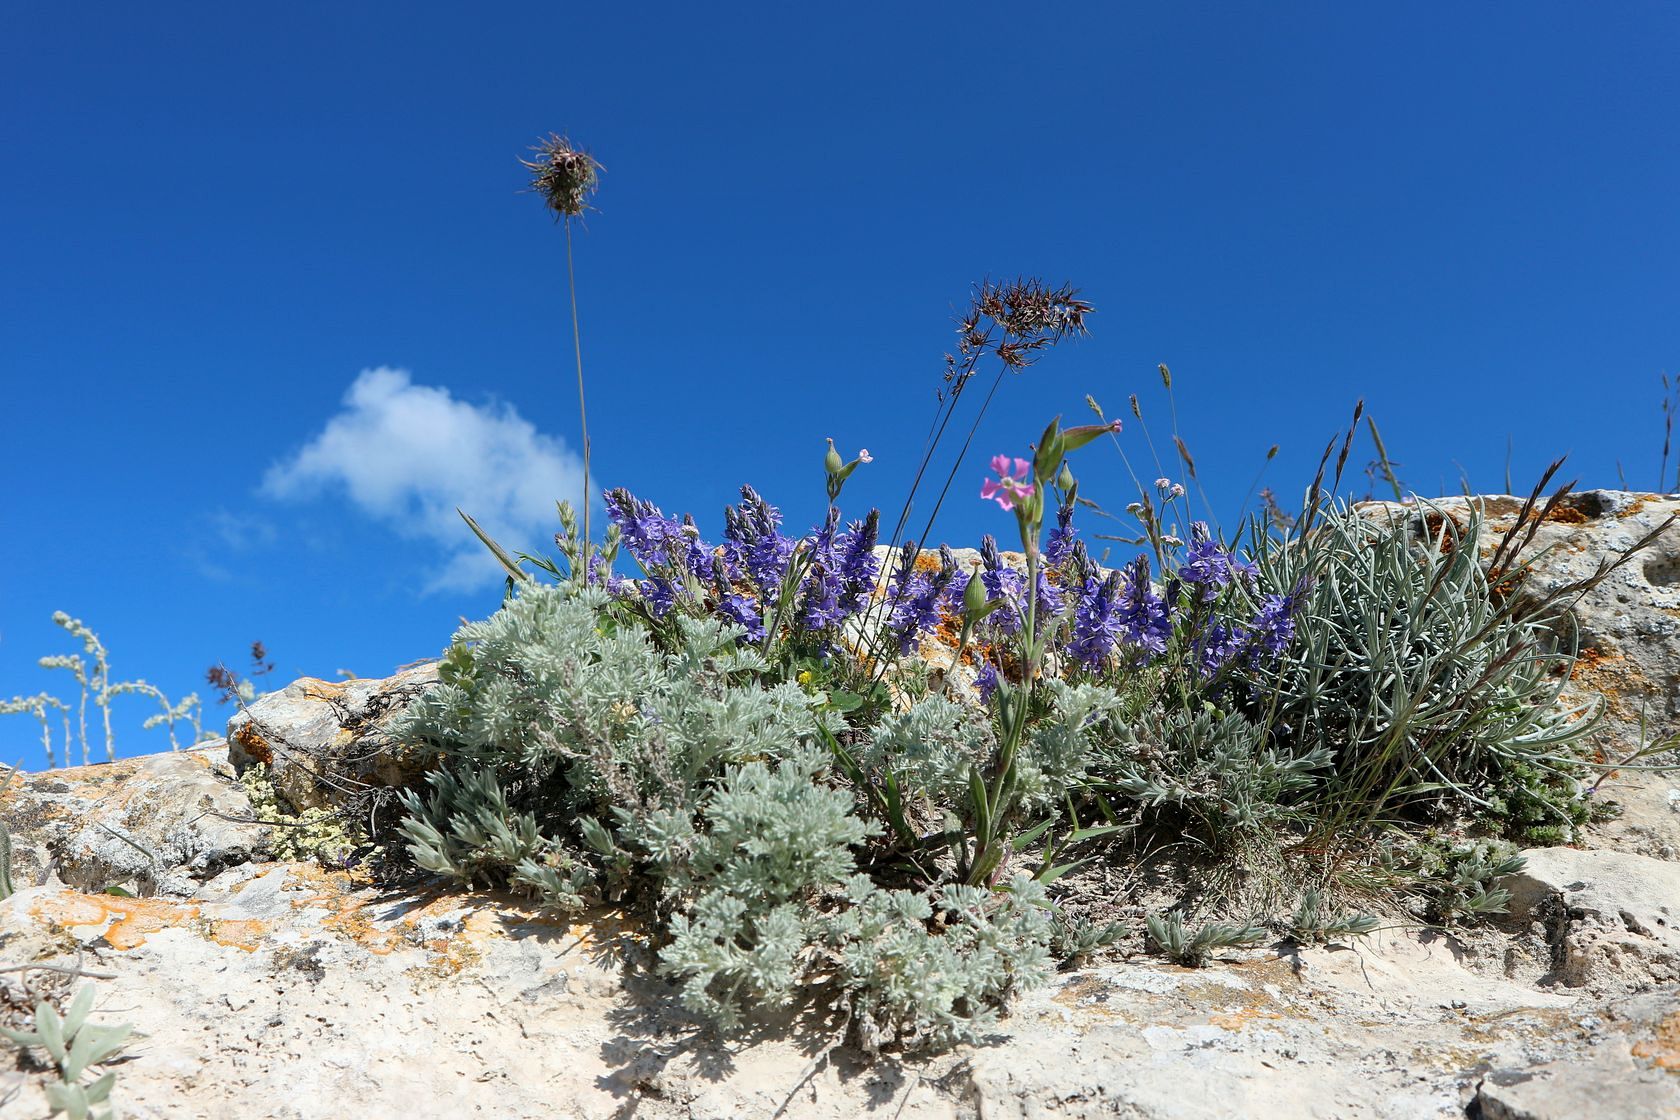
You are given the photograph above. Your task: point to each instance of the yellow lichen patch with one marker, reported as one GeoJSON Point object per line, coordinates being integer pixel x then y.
{"type": "Point", "coordinates": [238, 933]}
{"type": "Point", "coordinates": [1238, 1018]}
{"type": "Point", "coordinates": [345, 914]}
{"type": "Point", "coordinates": [126, 922]}
{"type": "Point", "coordinates": [1662, 1049]}
{"type": "Point", "coordinates": [1091, 995]}
{"type": "Point", "coordinates": [316, 689]}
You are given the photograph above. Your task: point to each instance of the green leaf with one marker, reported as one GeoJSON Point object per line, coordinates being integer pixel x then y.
{"type": "Point", "coordinates": [843, 702]}
{"type": "Point", "coordinates": [51, 1029]}
{"type": "Point", "coordinates": [1091, 833]}
{"type": "Point", "coordinates": [99, 1090]}
{"type": "Point", "coordinates": [1025, 840]}
{"type": "Point", "coordinates": [506, 561]}
{"type": "Point", "coordinates": [1048, 874]}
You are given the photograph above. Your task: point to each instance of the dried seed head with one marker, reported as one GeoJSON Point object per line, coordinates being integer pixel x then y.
{"type": "Point", "coordinates": [563, 175]}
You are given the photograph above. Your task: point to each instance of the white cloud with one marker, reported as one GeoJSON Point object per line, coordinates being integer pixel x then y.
{"type": "Point", "coordinates": [408, 455]}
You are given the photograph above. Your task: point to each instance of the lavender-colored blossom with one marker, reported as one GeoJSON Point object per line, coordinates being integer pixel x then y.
{"type": "Point", "coordinates": [1097, 622]}
{"type": "Point", "coordinates": [1206, 565]}
{"type": "Point", "coordinates": [1145, 617]}
{"type": "Point", "coordinates": [1219, 646]}
{"type": "Point", "coordinates": [659, 594]}
{"type": "Point", "coordinates": [603, 576]}
{"type": "Point", "coordinates": [916, 602]}
{"type": "Point", "coordinates": [1274, 625]}
{"type": "Point", "coordinates": [697, 555]}
{"type": "Point", "coordinates": [986, 682]}
{"type": "Point", "coordinates": [742, 610]}
{"type": "Point", "coordinates": [644, 530]}
{"type": "Point", "coordinates": [754, 548]}
{"type": "Point", "coordinates": [822, 607]}
{"type": "Point", "coordinates": [1059, 544]}
{"type": "Point", "coordinates": [1242, 567]}
{"type": "Point", "coordinates": [859, 569]}
{"type": "Point", "coordinates": [1003, 583]}
{"type": "Point", "coordinates": [1050, 602]}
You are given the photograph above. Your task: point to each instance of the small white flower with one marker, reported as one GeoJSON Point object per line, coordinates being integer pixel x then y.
{"type": "Point", "coordinates": [865, 457]}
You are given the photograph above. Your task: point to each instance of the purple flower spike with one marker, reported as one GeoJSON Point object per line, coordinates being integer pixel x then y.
{"type": "Point", "coordinates": [1145, 616]}
{"type": "Point", "coordinates": [1059, 544]}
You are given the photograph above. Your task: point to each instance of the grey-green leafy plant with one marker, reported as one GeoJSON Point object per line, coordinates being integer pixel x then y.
{"type": "Point", "coordinates": [75, 1046]}
{"type": "Point", "coordinates": [1179, 945]}
{"type": "Point", "coordinates": [928, 969]}
{"type": "Point", "coordinates": [1314, 921]}
{"type": "Point", "coordinates": [1217, 769]}
{"type": "Point", "coordinates": [581, 763]}
{"type": "Point", "coordinates": [1461, 881]}
{"type": "Point", "coordinates": [188, 710]}
{"type": "Point", "coordinates": [318, 834]}
{"type": "Point", "coordinates": [37, 706]}
{"type": "Point", "coordinates": [769, 842]}
{"type": "Point", "coordinates": [1076, 937]}
{"type": "Point", "coordinates": [1420, 679]}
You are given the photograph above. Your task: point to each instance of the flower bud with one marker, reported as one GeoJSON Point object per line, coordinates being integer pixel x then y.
{"type": "Point", "coordinates": [974, 595]}
{"type": "Point", "coordinates": [832, 463]}
{"type": "Point", "coordinates": [1065, 479]}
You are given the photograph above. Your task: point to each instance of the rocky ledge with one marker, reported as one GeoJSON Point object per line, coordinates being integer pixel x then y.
{"type": "Point", "coordinates": [266, 988]}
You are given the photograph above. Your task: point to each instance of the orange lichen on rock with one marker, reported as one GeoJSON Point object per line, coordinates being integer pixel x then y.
{"type": "Point", "coordinates": [1663, 1048]}
{"type": "Point", "coordinates": [238, 933]}
{"type": "Point", "coordinates": [126, 922]}
{"type": "Point", "coordinates": [255, 745]}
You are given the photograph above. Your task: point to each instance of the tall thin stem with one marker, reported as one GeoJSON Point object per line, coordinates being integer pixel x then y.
{"type": "Point", "coordinates": [583, 411]}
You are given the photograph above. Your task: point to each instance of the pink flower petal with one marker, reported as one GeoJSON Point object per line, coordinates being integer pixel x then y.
{"type": "Point", "coordinates": [1000, 464]}
{"type": "Point", "coordinates": [1021, 466]}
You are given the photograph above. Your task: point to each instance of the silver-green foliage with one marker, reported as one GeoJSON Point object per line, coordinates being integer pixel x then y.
{"type": "Point", "coordinates": [1175, 940]}
{"type": "Point", "coordinates": [932, 746]}
{"type": "Point", "coordinates": [580, 762]}
{"type": "Point", "coordinates": [551, 718]}
{"type": "Point", "coordinates": [772, 903]}
{"type": "Point", "coordinates": [1218, 768]}
{"type": "Point", "coordinates": [1462, 881]}
{"type": "Point", "coordinates": [1407, 668]}
{"type": "Point", "coordinates": [1315, 921]}
{"type": "Point", "coordinates": [74, 1045]}
{"type": "Point", "coordinates": [933, 749]}
{"type": "Point", "coordinates": [909, 978]}
{"type": "Point", "coordinates": [6, 844]}
{"type": "Point", "coordinates": [770, 841]}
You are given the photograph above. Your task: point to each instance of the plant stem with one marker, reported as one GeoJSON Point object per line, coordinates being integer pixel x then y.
{"type": "Point", "coordinates": [583, 411]}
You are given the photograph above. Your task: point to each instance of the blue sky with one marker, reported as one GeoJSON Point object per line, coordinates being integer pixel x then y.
{"type": "Point", "coordinates": [273, 303]}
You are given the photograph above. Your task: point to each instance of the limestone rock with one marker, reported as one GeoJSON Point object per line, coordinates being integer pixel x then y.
{"type": "Point", "coordinates": [158, 824]}
{"type": "Point", "coordinates": [1612, 918]}
{"type": "Point", "coordinates": [284, 991]}
{"type": "Point", "coordinates": [1608, 1083]}
{"type": "Point", "coordinates": [323, 740]}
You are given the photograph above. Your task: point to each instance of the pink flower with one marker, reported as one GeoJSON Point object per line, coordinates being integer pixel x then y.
{"type": "Point", "coordinates": [1007, 488]}
{"type": "Point", "coordinates": [865, 457]}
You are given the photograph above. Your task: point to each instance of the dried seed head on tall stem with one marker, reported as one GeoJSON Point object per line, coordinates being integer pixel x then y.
{"type": "Point", "coordinates": [563, 175]}
{"type": "Point", "coordinates": [566, 177]}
